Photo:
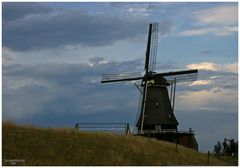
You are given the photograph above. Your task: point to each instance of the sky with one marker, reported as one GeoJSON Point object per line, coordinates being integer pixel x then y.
{"type": "Point", "coordinates": [54, 54]}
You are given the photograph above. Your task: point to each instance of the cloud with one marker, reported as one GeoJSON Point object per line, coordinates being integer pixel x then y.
{"type": "Point", "coordinates": [67, 27]}
{"type": "Point", "coordinates": [70, 89]}
{"type": "Point", "coordinates": [214, 67]}
{"type": "Point", "coordinates": [134, 9]}
{"type": "Point", "coordinates": [139, 11]}
{"type": "Point", "coordinates": [213, 97]}
{"type": "Point", "coordinates": [45, 27]}
{"type": "Point", "coordinates": [215, 90]}
{"type": "Point", "coordinates": [221, 15]}
{"type": "Point", "coordinates": [200, 82]}
{"type": "Point", "coordinates": [17, 10]}
{"type": "Point", "coordinates": [217, 21]}
{"type": "Point", "coordinates": [217, 31]}
{"type": "Point", "coordinates": [70, 74]}
{"type": "Point", "coordinates": [207, 80]}
{"type": "Point", "coordinates": [25, 102]}
{"type": "Point", "coordinates": [7, 55]}
{"type": "Point", "coordinates": [96, 61]}
{"type": "Point", "coordinates": [209, 100]}
{"type": "Point", "coordinates": [203, 66]}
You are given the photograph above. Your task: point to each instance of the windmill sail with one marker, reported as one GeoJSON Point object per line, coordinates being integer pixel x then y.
{"type": "Point", "coordinates": [107, 78]}
{"type": "Point", "coordinates": [154, 45]}
{"type": "Point", "coordinates": [150, 63]}
{"type": "Point", "coordinates": [179, 76]}
{"type": "Point", "coordinates": [151, 51]}
{"type": "Point", "coordinates": [148, 48]}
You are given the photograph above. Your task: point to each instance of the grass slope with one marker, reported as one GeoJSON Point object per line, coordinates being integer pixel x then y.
{"type": "Point", "coordinates": [26, 145]}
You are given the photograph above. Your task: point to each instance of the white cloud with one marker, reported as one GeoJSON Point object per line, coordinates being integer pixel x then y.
{"type": "Point", "coordinates": [7, 55]}
{"type": "Point", "coordinates": [216, 92]}
{"type": "Point", "coordinates": [96, 61]}
{"type": "Point", "coordinates": [217, 31]}
{"type": "Point", "coordinates": [133, 9]}
{"type": "Point", "coordinates": [202, 66]}
{"type": "Point", "coordinates": [15, 83]}
{"type": "Point", "coordinates": [217, 21]}
{"type": "Point", "coordinates": [209, 66]}
{"type": "Point", "coordinates": [216, 100]}
{"type": "Point", "coordinates": [221, 15]}
{"type": "Point", "coordinates": [200, 82]}
{"type": "Point", "coordinates": [231, 67]}
{"type": "Point", "coordinates": [138, 9]}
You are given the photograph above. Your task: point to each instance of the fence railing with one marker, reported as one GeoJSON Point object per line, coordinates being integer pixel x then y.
{"type": "Point", "coordinates": [122, 128]}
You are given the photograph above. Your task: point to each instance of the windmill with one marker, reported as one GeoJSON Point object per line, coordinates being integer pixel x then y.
{"type": "Point", "coordinates": [156, 112]}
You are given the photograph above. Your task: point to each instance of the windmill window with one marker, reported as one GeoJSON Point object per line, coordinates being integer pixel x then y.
{"type": "Point", "coordinates": [157, 103]}
{"type": "Point", "coordinates": [158, 127]}
{"type": "Point", "coordinates": [169, 116]}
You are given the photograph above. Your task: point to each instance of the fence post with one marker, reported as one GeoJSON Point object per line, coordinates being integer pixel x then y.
{"type": "Point", "coordinates": [127, 128]}
{"type": "Point", "coordinates": [208, 156]}
{"type": "Point", "coordinates": [77, 126]}
{"type": "Point", "coordinates": [176, 141]}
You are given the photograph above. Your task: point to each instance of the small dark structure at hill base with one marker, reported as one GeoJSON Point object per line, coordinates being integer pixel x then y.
{"type": "Point", "coordinates": [156, 113]}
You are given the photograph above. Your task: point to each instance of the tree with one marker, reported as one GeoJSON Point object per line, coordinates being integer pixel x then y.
{"type": "Point", "coordinates": [228, 148]}
{"type": "Point", "coordinates": [217, 148]}
{"type": "Point", "coordinates": [233, 147]}
{"type": "Point", "coordinates": [225, 149]}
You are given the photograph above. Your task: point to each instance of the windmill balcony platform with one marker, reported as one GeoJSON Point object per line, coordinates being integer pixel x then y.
{"type": "Point", "coordinates": [164, 131]}
{"type": "Point", "coordinates": [181, 137]}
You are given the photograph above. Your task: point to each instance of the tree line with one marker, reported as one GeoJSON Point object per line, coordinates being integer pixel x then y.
{"type": "Point", "coordinates": [228, 147]}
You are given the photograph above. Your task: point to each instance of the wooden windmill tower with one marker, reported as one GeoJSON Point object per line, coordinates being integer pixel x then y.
{"type": "Point", "coordinates": [156, 114]}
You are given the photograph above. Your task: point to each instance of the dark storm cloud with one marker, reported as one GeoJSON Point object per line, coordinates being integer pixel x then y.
{"type": "Point", "coordinates": [31, 26]}
{"type": "Point", "coordinates": [57, 119]}
{"type": "Point", "coordinates": [75, 88]}
{"type": "Point", "coordinates": [32, 101]}
{"type": "Point", "coordinates": [67, 27]}
{"type": "Point", "coordinates": [15, 10]}
{"type": "Point", "coordinates": [71, 74]}
{"type": "Point", "coordinates": [32, 91]}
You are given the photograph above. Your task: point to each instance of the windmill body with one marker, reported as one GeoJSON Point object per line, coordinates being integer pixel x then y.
{"type": "Point", "coordinates": [157, 117]}
{"type": "Point", "coordinates": [158, 110]}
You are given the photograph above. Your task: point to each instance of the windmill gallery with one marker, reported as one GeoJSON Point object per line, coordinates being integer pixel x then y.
{"type": "Point", "coordinates": [156, 117]}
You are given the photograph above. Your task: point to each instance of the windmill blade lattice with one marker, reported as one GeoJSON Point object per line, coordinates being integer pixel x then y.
{"type": "Point", "coordinates": [180, 76]}
{"type": "Point", "coordinates": [107, 78]}
{"type": "Point", "coordinates": [153, 47]}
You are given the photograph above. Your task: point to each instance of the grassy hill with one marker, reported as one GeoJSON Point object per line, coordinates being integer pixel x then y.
{"type": "Point", "coordinates": [26, 145]}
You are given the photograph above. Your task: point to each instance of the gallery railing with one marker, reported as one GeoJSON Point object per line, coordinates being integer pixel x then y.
{"type": "Point", "coordinates": [122, 128]}
{"type": "Point", "coordinates": [163, 131]}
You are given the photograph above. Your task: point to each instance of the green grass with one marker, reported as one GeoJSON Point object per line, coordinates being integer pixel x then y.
{"type": "Point", "coordinates": [26, 145]}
